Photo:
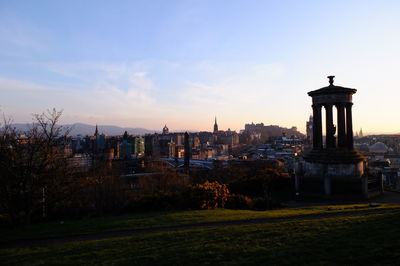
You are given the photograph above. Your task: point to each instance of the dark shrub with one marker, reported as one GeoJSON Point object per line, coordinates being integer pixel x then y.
{"type": "Point", "coordinates": [239, 202]}
{"type": "Point", "coordinates": [157, 202]}
{"type": "Point", "coordinates": [260, 204]}
{"type": "Point", "coordinates": [269, 186]}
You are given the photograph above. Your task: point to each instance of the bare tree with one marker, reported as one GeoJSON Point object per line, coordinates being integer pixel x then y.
{"type": "Point", "coordinates": [32, 165]}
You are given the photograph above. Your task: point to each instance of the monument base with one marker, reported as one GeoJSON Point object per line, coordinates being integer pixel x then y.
{"type": "Point", "coordinates": [336, 174]}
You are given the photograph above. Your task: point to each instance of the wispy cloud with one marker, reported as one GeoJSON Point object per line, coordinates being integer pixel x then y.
{"type": "Point", "coordinates": [20, 38]}
{"type": "Point", "coordinates": [238, 85]}
{"type": "Point", "coordinates": [116, 82]}
{"type": "Point", "coordinates": [127, 93]}
{"type": "Point", "coordinates": [106, 93]}
{"type": "Point", "coordinates": [18, 86]}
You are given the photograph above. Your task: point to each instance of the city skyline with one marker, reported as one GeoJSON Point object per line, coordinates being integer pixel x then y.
{"type": "Point", "coordinates": [180, 63]}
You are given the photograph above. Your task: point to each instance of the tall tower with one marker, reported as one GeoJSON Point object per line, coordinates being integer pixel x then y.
{"type": "Point", "coordinates": [309, 129]}
{"type": "Point", "coordinates": [215, 125]}
{"type": "Point", "coordinates": [187, 150]}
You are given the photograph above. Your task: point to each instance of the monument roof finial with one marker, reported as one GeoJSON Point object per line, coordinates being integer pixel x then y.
{"type": "Point", "coordinates": [331, 79]}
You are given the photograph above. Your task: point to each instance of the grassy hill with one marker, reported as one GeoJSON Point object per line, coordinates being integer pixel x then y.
{"type": "Point", "coordinates": [352, 239]}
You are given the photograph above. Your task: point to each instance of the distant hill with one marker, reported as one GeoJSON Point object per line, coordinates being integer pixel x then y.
{"type": "Point", "coordinates": [85, 129]}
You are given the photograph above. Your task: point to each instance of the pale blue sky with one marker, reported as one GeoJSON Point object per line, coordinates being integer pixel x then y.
{"type": "Point", "coordinates": [147, 63]}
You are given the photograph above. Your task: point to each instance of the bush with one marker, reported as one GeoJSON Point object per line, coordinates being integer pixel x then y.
{"type": "Point", "coordinates": [239, 202]}
{"type": "Point", "coordinates": [267, 187]}
{"type": "Point", "coordinates": [209, 195]}
{"type": "Point", "coordinates": [261, 183]}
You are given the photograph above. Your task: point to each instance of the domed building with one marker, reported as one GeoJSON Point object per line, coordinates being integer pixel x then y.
{"type": "Point", "coordinates": [165, 130]}
{"type": "Point", "coordinates": [378, 148]}
{"type": "Point", "coordinates": [377, 151]}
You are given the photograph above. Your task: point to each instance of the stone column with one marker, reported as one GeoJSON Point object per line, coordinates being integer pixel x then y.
{"type": "Point", "coordinates": [330, 141]}
{"type": "Point", "coordinates": [317, 127]}
{"type": "Point", "coordinates": [341, 125]}
{"type": "Point", "coordinates": [364, 186]}
{"type": "Point", "coordinates": [349, 126]}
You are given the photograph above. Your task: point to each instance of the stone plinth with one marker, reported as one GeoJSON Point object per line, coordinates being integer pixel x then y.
{"type": "Point", "coordinates": [333, 173]}
{"type": "Point", "coordinates": [334, 156]}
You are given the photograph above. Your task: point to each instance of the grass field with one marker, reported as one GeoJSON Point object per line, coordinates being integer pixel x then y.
{"type": "Point", "coordinates": [164, 219]}
{"type": "Point", "coordinates": [352, 240]}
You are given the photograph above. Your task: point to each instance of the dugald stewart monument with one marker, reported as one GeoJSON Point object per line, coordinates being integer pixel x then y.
{"type": "Point", "coordinates": [333, 169]}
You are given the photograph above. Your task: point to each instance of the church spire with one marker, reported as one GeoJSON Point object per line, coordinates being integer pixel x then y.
{"type": "Point", "coordinates": [215, 125]}
{"type": "Point", "coordinates": [96, 133]}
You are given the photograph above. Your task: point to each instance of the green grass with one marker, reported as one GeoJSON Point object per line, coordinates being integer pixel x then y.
{"type": "Point", "coordinates": [351, 240]}
{"type": "Point", "coordinates": [163, 219]}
